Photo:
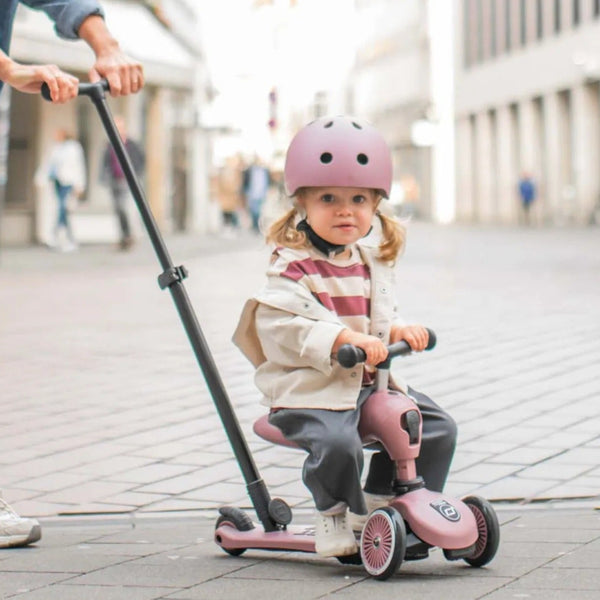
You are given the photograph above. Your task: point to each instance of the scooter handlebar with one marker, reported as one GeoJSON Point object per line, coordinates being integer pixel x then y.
{"type": "Point", "coordinates": [85, 89]}
{"type": "Point", "coordinates": [349, 356]}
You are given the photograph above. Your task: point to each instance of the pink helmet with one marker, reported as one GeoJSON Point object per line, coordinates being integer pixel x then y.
{"type": "Point", "coordinates": [338, 151]}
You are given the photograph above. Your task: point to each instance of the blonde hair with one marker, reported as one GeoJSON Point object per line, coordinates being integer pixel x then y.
{"type": "Point", "coordinates": [283, 232]}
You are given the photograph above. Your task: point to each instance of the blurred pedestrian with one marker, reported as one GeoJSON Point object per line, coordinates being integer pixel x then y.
{"type": "Point", "coordinates": [255, 186]}
{"type": "Point", "coordinates": [66, 170]}
{"type": "Point", "coordinates": [527, 193]}
{"type": "Point", "coordinates": [112, 174]}
{"type": "Point", "coordinates": [73, 19]}
{"type": "Point", "coordinates": [228, 187]}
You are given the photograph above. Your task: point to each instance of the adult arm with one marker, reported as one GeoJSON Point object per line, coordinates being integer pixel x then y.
{"type": "Point", "coordinates": [124, 74]}
{"type": "Point", "coordinates": [76, 19]}
{"type": "Point", "coordinates": [29, 79]}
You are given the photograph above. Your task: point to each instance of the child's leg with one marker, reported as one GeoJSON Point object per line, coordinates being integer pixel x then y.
{"type": "Point", "coordinates": [334, 464]}
{"type": "Point", "coordinates": [437, 449]}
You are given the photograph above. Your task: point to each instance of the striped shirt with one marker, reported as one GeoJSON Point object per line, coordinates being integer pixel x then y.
{"type": "Point", "coordinates": [342, 285]}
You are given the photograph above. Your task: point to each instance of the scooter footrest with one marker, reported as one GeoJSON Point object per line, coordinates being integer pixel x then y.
{"type": "Point", "coordinates": [415, 548]}
{"type": "Point", "coordinates": [459, 553]}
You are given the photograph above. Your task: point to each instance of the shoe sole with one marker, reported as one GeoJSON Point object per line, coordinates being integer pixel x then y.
{"type": "Point", "coordinates": [15, 541]}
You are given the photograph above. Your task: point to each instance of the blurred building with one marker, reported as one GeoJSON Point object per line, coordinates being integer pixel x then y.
{"type": "Point", "coordinates": [527, 100]}
{"type": "Point", "coordinates": [162, 117]}
{"type": "Point", "coordinates": [391, 86]}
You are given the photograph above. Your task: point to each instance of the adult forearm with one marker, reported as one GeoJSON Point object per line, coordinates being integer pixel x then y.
{"type": "Point", "coordinates": [95, 33]}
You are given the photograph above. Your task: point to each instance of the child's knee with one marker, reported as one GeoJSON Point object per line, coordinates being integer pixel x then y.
{"type": "Point", "coordinates": [343, 448]}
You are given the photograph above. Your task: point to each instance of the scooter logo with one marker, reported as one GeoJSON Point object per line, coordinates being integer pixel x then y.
{"type": "Point", "coordinates": [446, 510]}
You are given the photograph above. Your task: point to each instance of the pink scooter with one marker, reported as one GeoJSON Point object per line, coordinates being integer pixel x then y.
{"type": "Point", "coordinates": [416, 520]}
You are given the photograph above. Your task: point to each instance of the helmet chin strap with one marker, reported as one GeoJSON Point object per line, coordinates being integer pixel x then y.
{"type": "Point", "coordinates": [322, 245]}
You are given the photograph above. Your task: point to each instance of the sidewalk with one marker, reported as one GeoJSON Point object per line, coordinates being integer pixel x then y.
{"type": "Point", "coordinates": [105, 416]}
{"type": "Point", "coordinates": [550, 554]}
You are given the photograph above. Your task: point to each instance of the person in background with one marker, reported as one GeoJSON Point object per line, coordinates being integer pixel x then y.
{"type": "Point", "coordinates": [255, 186]}
{"type": "Point", "coordinates": [527, 194]}
{"type": "Point", "coordinates": [112, 174]}
{"type": "Point", "coordinates": [73, 19]}
{"type": "Point", "coordinates": [66, 171]}
{"type": "Point", "coordinates": [227, 188]}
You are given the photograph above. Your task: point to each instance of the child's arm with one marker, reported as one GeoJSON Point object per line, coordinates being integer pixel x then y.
{"type": "Point", "coordinates": [375, 349]}
{"type": "Point", "coordinates": [416, 336]}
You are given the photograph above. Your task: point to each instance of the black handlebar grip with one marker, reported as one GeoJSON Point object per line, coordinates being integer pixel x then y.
{"type": "Point", "coordinates": [432, 340]}
{"type": "Point", "coordinates": [85, 89]}
{"type": "Point", "coordinates": [349, 356]}
{"type": "Point", "coordinates": [46, 92]}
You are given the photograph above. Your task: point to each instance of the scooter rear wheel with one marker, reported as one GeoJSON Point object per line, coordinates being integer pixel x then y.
{"type": "Point", "coordinates": [236, 518]}
{"type": "Point", "coordinates": [383, 542]}
{"type": "Point", "coordinates": [488, 527]}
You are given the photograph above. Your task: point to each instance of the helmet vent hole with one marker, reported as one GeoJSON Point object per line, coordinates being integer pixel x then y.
{"type": "Point", "coordinates": [356, 125]}
{"type": "Point", "coordinates": [326, 158]}
{"type": "Point", "coordinates": [329, 124]}
{"type": "Point", "coordinates": [363, 159]}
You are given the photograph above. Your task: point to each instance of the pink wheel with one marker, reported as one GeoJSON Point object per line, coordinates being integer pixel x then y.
{"type": "Point", "coordinates": [383, 542]}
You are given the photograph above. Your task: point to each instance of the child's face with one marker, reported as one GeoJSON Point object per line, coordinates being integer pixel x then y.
{"type": "Point", "coordinates": [340, 215]}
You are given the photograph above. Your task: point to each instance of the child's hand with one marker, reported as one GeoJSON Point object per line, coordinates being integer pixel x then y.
{"type": "Point", "coordinates": [375, 349]}
{"type": "Point", "coordinates": [416, 336]}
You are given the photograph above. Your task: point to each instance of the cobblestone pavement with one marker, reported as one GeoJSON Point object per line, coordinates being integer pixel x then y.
{"type": "Point", "coordinates": [104, 410]}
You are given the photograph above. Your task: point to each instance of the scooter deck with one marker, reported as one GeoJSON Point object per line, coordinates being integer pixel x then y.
{"type": "Point", "coordinates": [298, 538]}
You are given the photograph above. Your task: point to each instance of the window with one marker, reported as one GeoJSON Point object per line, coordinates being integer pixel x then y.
{"type": "Point", "coordinates": [539, 19]}
{"type": "Point", "coordinates": [493, 28]}
{"type": "Point", "coordinates": [596, 8]}
{"type": "Point", "coordinates": [576, 13]}
{"type": "Point", "coordinates": [479, 30]}
{"type": "Point", "coordinates": [507, 25]}
{"type": "Point", "coordinates": [523, 22]}
{"type": "Point", "coordinates": [557, 16]}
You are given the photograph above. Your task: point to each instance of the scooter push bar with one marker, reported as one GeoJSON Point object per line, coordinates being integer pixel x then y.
{"type": "Point", "coordinates": [349, 356]}
{"type": "Point", "coordinates": [172, 279]}
{"type": "Point", "coordinates": [85, 89]}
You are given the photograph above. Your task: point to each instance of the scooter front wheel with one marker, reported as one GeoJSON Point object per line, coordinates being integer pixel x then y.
{"type": "Point", "coordinates": [383, 542]}
{"type": "Point", "coordinates": [488, 529]}
{"type": "Point", "coordinates": [236, 518]}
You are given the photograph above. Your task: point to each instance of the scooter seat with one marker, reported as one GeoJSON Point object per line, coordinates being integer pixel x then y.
{"type": "Point", "coordinates": [272, 434]}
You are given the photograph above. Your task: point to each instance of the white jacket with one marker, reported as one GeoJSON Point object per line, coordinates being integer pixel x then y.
{"type": "Point", "coordinates": [67, 164]}
{"type": "Point", "coordinates": [288, 335]}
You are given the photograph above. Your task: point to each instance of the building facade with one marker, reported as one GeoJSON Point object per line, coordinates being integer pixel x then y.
{"type": "Point", "coordinates": [161, 118]}
{"type": "Point", "coordinates": [527, 101]}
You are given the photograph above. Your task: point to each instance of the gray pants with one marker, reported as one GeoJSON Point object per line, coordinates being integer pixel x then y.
{"type": "Point", "coordinates": [332, 471]}
{"type": "Point", "coordinates": [120, 195]}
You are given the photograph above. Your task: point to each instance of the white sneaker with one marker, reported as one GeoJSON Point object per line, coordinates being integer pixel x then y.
{"type": "Point", "coordinates": [333, 536]}
{"type": "Point", "coordinates": [69, 247]}
{"type": "Point", "coordinates": [16, 530]}
{"type": "Point", "coordinates": [373, 502]}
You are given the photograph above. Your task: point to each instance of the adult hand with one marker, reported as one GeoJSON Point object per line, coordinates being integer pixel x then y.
{"type": "Point", "coordinates": [29, 79]}
{"type": "Point", "coordinates": [124, 75]}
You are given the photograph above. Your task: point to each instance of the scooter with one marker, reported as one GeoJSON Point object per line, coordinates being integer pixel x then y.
{"type": "Point", "coordinates": [416, 519]}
